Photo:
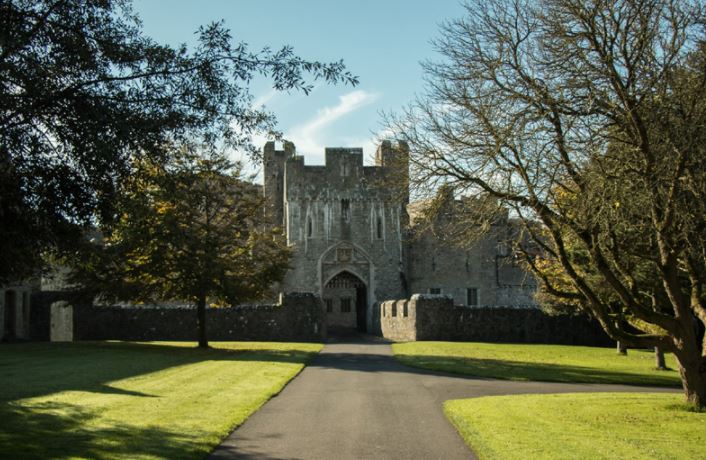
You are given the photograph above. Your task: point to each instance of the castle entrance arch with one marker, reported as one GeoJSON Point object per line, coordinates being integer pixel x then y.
{"type": "Point", "coordinates": [345, 297]}
{"type": "Point", "coordinates": [346, 277]}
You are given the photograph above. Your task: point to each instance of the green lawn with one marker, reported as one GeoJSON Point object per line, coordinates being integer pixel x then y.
{"type": "Point", "coordinates": [135, 400]}
{"type": "Point", "coordinates": [551, 363]}
{"type": "Point", "coordinates": [580, 426]}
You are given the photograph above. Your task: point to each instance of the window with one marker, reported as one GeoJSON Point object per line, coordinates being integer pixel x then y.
{"type": "Point", "coordinates": [394, 309]}
{"type": "Point", "coordinates": [329, 305]}
{"type": "Point", "coordinates": [405, 311]}
{"type": "Point", "coordinates": [309, 227]}
{"type": "Point", "coordinates": [433, 264]}
{"type": "Point", "coordinates": [379, 227]}
{"type": "Point", "coordinates": [472, 297]}
{"type": "Point", "coordinates": [435, 291]}
{"type": "Point", "coordinates": [346, 210]}
{"type": "Point", "coordinates": [345, 305]}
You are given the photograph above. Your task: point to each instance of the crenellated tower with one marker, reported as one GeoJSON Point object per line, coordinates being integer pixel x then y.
{"type": "Point", "coordinates": [274, 160]}
{"type": "Point", "coordinates": [394, 156]}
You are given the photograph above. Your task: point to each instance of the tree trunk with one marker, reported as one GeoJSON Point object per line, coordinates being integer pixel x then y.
{"type": "Point", "coordinates": [201, 313]}
{"type": "Point", "coordinates": [621, 348]}
{"type": "Point", "coordinates": [659, 359]}
{"type": "Point", "coordinates": [692, 369]}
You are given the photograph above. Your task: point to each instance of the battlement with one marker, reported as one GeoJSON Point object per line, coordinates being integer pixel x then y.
{"type": "Point", "coordinates": [289, 179]}
{"type": "Point", "coordinates": [344, 161]}
{"type": "Point", "coordinates": [392, 153]}
{"type": "Point", "coordinates": [272, 149]}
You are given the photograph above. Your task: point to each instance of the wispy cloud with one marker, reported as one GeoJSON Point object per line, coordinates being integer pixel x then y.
{"type": "Point", "coordinates": [265, 98]}
{"type": "Point", "coordinates": [308, 137]}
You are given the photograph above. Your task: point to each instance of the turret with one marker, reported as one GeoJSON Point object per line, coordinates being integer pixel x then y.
{"type": "Point", "coordinates": [274, 160]}
{"type": "Point", "coordinates": [394, 155]}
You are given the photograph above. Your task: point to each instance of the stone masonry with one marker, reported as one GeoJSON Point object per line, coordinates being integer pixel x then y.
{"type": "Point", "coordinates": [350, 229]}
{"type": "Point", "coordinates": [435, 317]}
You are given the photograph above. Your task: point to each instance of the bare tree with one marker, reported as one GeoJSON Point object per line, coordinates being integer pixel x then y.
{"type": "Point", "coordinates": [586, 119]}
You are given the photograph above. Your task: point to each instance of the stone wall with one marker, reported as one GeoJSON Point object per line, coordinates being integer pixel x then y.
{"type": "Point", "coordinates": [298, 317]}
{"type": "Point", "coordinates": [426, 317]}
{"type": "Point", "coordinates": [398, 322]}
{"type": "Point", "coordinates": [485, 267]}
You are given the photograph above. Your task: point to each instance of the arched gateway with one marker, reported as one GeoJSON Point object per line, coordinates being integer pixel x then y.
{"type": "Point", "coordinates": [346, 300]}
{"type": "Point", "coordinates": [346, 286]}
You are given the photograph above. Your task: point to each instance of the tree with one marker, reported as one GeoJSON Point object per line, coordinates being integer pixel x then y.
{"type": "Point", "coordinates": [190, 230]}
{"type": "Point", "coordinates": [83, 92]}
{"type": "Point", "coordinates": [602, 101]}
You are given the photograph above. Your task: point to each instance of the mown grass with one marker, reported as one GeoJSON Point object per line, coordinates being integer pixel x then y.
{"type": "Point", "coordinates": [135, 400]}
{"type": "Point", "coordinates": [549, 363]}
{"type": "Point", "coordinates": [580, 426]}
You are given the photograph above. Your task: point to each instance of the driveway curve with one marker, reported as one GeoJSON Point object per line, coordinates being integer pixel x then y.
{"type": "Point", "coordinates": [355, 401]}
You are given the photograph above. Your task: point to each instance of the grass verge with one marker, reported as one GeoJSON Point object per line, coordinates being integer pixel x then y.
{"type": "Point", "coordinates": [580, 426]}
{"type": "Point", "coordinates": [135, 400]}
{"type": "Point", "coordinates": [550, 363]}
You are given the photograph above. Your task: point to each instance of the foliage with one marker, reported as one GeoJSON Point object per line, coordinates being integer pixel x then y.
{"type": "Point", "coordinates": [586, 119]}
{"type": "Point", "coordinates": [135, 401]}
{"type": "Point", "coordinates": [190, 230]}
{"type": "Point", "coordinates": [576, 425]}
{"type": "Point", "coordinates": [548, 363]}
{"type": "Point", "coordinates": [83, 91]}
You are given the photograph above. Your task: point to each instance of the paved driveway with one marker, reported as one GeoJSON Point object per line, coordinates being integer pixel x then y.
{"type": "Point", "coordinates": [354, 401]}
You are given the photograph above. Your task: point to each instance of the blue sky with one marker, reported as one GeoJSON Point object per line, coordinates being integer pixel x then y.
{"type": "Point", "coordinates": [381, 41]}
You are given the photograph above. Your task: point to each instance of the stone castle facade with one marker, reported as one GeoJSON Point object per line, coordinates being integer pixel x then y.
{"type": "Point", "coordinates": [354, 245]}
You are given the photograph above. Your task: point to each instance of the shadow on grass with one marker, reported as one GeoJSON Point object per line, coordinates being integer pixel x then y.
{"type": "Point", "coordinates": [37, 369]}
{"type": "Point", "coordinates": [524, 371]}
{"type": "Point", "coordinates": [485, 369]}
{"type": "Point", "coordinates": [54, 430]}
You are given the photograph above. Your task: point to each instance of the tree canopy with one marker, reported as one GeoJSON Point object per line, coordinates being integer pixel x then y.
{"type": "Point", "coordinates": [191, 230]}
{"type": "Point", "coordinates": [83, 92]}
{"type": "Point", "coordinates": [586, 119]}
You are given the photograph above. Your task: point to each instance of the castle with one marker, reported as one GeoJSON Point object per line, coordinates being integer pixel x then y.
{"type": "Point", "coordinates": [354, 245]}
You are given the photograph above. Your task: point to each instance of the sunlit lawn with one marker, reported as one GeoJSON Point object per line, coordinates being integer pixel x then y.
{"type": "Point", "coordinates": [580, 426]}
{"type": "Point", "coordinates": [551, 363]}
{"type": "Point", "coordinates": [129, 400]}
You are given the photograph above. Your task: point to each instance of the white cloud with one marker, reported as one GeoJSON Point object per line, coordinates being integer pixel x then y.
{"type": "Point", "coordinates": [265, 98]}
{"type": "Point", "coordinates": [309, 137]}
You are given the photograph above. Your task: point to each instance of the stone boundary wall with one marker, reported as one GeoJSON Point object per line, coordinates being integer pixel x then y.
{"type": "Point", "coordinates": [434, 317]}
{"type": "Point", "coordinates": [298, 317]}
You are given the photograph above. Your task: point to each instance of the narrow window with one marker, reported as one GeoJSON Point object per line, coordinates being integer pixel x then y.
{"type": "Point", "coordinates": [394, 309]}
{"type": "Point", "coordinates": [405, 312]}
{"type": "Point", "coordinates": [472, 297]}
{"type": "Point", "coordinates": [329, 305]}
{"type": "Point", "coordinates": [435, 291]}
{"type": "Point", "coordinates": [346, 210]}
{"type": "Point", "coordinates": [345, 305]}
{"type": "Point", "coordinates": [379, 227]}
{"type": "Point", "coordinates": [433, 264]}
{"type": "Point", "coordinates": [309, 227]}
